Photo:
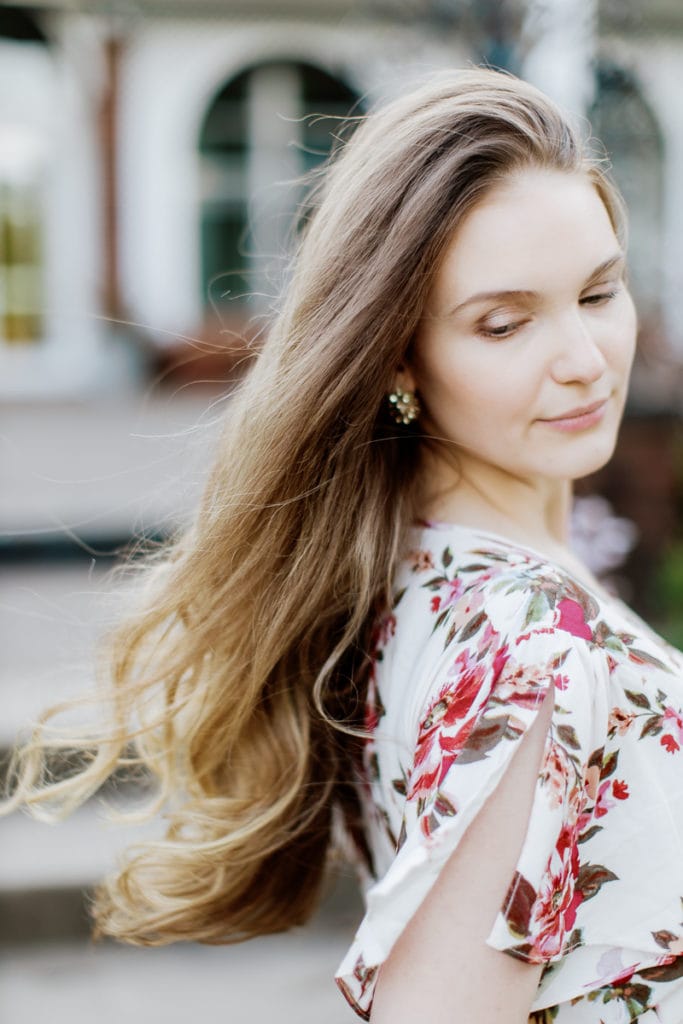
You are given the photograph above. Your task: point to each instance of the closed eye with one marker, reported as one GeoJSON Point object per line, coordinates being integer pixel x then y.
{"type": "Point", "coordinates": [596, 300]}
{"type": "Point", "coordinates": [505, 331]}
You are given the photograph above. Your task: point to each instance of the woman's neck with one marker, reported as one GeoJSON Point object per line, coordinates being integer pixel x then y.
{"type": "Point", "coordinates": [536, 513]}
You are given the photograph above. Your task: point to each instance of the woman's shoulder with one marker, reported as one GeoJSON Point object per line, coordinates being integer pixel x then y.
{"type": "Point", "coordinates": [457, 578]}
{"type": "Point", "coordinates": [465, 591]}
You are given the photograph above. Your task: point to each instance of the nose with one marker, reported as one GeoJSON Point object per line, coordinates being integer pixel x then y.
{"type": "Point", "coordinates": [577, 356]}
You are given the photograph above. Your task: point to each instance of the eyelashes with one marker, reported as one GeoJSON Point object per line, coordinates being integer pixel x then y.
{"type": "Point", "coordinates": [511, 327]}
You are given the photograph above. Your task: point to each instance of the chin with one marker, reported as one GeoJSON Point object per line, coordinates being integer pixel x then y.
{"type": "Point", "coordinates": [585, 463]}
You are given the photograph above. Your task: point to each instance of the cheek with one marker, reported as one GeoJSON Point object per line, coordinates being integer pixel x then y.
{"type": "Point", "coordinates": [478, 393]}
{"type": "Point", "coordinates": [625, 334]}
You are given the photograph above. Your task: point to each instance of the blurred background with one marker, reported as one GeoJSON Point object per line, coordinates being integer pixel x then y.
{"type": "Point", "coordinates": [150, 159]}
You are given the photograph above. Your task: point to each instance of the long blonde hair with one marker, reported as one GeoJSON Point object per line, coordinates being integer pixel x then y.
{"type": "Point", "coordinates": [237, 679]}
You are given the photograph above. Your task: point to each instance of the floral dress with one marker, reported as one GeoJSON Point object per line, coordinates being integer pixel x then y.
{"type": "Point", "coordinates": [480, 629]}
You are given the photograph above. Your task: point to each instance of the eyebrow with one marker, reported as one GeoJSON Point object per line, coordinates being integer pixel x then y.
{"type": "Point", "coordinates": [609, 264]}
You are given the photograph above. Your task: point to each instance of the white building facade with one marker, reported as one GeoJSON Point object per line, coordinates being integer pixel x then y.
{"type": "Point", "coordinates": [148, 153]}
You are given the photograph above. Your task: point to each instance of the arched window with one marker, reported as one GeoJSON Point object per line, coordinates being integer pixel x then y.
{"type": "Point", "coordinates": [258, 138]}
{"type": "Point", "coordinates": [625, 123]}
{"type": "Point", "coordinates": [23, 161]}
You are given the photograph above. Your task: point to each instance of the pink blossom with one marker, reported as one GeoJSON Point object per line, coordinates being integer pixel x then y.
{"type": "Point", "coordinates": [591, 780]}
{"type": "Point", "coordinates": [523, 685]}
{"type": "Point", "coordinates": [603, 804]}
{"type": "Point", "coordinates": [554, 773]}
{"type": "Point", "coordinates": [620, 720]}
{"type": "Point", "coordinates": [571, 618]}
{"type": "Point", "coordinates": [675, 720]}
{"type": "Point", "coordinates": [454, 589]}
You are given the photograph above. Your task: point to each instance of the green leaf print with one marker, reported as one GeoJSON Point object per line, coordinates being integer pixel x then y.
{"type": "Point", "coordinates": [639, 699]}
{"type": "Point", "coordinates": [664, 938]}
{"type": "Point", "coordinates": [664, 972]}
{"type": "Point", "coordinates": [609, 765]}
{"type": "Point", "coordinates": [643, 658]}
{"type": "Point", "coordinates": [443, 806]}
{"type": "Point", "coordinates": [485, 737]}
{"type": "Point", "coordinates": [591, 879]}
{"type": "Point", "coordinates": [585, 836]}
{"type": "Point", "coordinates": [519, 902]}
{"type": "Point", "coordinates": [472, 627]}
{"type": "Point", "coordinates": [652, 727]}
{"type": "Point", "coordinates": [537, 609]}
{"type": "Point", "coordinates": [567, 734]}
{"type": "Point", "coordinates": [435, 583]}
{"type": "Point", "coordinates": [546, 1016]}
{"type": "Point", "coordinates": [440, 619]}
{"type": "Point", "coordinates": [446, 557]}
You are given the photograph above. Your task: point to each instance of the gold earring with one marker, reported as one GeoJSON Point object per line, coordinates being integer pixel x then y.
{"type": "Point", "coordinates": [403, 406]}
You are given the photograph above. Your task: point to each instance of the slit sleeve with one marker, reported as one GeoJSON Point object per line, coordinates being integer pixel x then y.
{"type": "Point", "coordinates": [465, 730]}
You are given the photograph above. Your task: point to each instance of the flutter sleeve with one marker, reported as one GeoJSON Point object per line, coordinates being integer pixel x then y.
{"type": "Point", "coordinates": [466, 725]}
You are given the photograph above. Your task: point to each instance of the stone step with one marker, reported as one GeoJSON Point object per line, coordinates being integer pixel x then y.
{"type": "Point", "coordinates": [46, 871]}
{"type": "Point", "coordinates": [74, 853]}
{"type": "Point", "coordinates": [102, 468]}
{"type": "Point", "coordinates": [50, 620]}
{"type": "Point", "coordinates": [280, 979]}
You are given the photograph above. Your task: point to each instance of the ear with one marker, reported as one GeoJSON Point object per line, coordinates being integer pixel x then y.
{"type": "Point", "coordinates": [405, 378]}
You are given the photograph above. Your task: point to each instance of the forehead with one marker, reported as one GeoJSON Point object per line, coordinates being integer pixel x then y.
{"type": "Point", "coordinates": [535, 230]}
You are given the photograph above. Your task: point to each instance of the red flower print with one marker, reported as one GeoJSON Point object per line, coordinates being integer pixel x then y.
{"type": "Point", "coordinates": [554, 912]}
{"type": "Point", "coordinates": [675, 722]}
{"type": "Point", "coordinates": [669, 743]}
{"type": "Point", "coordinates": [570, 618]}
{"type": "Point", "coordinates": [435, 603]}
{"type": "Point", "coordinates": [620, 789]}
{"type": "Point", "coordinates": [446, 726]}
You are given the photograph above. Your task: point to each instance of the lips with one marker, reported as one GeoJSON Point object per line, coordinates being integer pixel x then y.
{"type": "Point", "coordinates": [583, 410]}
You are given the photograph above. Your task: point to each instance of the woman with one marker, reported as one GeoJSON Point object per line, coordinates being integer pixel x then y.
{"type": "Point", "coordinates": [375, 609]}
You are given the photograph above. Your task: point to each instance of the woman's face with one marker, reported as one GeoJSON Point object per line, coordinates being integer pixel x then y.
{"type": "Point", "coordinates": [529, 323]}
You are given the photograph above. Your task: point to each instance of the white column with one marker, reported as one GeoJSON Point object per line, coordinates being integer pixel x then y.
{"type": "Point", "coordinates": [559, 37]}
{"type": "Point", "coordinates": [274, 106]}
{"type": "Point", "coordinates": [659, 67]}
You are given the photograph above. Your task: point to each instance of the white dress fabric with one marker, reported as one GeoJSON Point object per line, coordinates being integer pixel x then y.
{"type": "Point", "coordinates": [479, 631]}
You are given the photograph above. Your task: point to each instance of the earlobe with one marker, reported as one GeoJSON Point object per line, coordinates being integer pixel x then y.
{"type": "Point", "coordinates": [404, 379]}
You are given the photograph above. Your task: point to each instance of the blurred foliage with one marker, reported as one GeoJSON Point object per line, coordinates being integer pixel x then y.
{"type": "Point", "coordinates": [668, 579]}
{"type": "Point", "coordinates": [668, 592]}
